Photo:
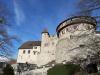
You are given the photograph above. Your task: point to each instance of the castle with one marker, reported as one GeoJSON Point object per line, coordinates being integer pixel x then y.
{"type": "Point", "coordinates": [72, 34]}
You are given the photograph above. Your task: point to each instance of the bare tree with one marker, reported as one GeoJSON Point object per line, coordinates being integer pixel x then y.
{"type": "Point", "coordinates": [6, 40]}
{"type": "Point", "coordinates": [88, 7]}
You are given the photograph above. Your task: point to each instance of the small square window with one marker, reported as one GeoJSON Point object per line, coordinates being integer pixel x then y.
{"type": "Point", "coordinates": [63, 32]}
{"type": "Point", "coordinates": [35, 47]}
{"type": "Point", "coordinates": [28, 51]}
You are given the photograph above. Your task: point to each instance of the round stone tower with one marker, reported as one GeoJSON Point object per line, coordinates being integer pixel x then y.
{"type": "Point", "coordinates": [72, 33]}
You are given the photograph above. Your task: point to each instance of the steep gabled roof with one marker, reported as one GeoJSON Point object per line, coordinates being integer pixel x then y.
{"type": "Point", "coordinates": [30, 44]}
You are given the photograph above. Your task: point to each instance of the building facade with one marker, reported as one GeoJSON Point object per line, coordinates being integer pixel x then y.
{"type": "Point", "coordinates": [28, 52]}
{"type": "Point", "coordinates": [38, 52]}
{"type": "Point", "coordinates": [65, 46]}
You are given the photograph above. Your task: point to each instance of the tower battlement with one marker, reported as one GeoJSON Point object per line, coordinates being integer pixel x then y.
{"type": "Point", "coordinates": [76, 20]}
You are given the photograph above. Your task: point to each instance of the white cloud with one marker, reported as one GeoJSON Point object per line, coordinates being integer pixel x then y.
{"type": "Point", "coordinates": [3, 59]}
{"type": "Point", "coordinates": [19, 15]}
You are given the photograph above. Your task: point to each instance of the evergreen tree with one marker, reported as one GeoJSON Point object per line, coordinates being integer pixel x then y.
{"type": "Point", "coordinates": [8, 70]}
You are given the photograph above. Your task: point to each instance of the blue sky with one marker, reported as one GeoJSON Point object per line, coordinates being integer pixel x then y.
{"type": "Point", "coordinates": [30, 17]}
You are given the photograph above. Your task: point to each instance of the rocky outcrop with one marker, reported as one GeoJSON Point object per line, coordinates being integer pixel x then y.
{"type": "Point", "coordinates": [78, 46]}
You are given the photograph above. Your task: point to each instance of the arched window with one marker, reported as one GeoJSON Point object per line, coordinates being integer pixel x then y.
{"type": "Point", "coordinates": [28, 51]}
{"type": "Point", "coordinates": [24, 52]}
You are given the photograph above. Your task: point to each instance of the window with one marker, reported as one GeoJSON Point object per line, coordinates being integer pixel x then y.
{"type": "Point", "coordinates": [34, 52]}
{"type": "Point", "coordinates": [28, 51]}
{"type": "Point", "coordinates": [66, 29]}
{"type": "Point", "coordinates": [69, 28]}
{"type": "Point", "coordinates": [89, 27]}
{"type": "Point", "coordinates": [63, 32]}
{"type": "Point", "coordinates": [35, 47]}
{"type": "Point", "coordinates": [24, 52]}
{"type": "Point", "coordinates": [74, 26]}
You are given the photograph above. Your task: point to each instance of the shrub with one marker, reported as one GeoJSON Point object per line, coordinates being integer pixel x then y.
{"type": "Point", "coordinates": [68, 69]}
{"type": "Point", "coordinates": [8, 70]}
